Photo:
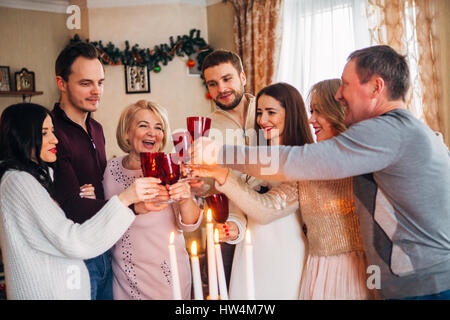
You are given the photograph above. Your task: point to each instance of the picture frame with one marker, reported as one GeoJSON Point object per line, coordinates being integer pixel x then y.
{"type": "Point", "coordinates": [24, 80]}
{"type": "Point", "coordinates": [137, 79]}
{"type": "Point", "coordinates": [5, 81]}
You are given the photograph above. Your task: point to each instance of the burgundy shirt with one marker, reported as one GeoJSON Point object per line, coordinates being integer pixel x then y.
{"type": "Point", "coordinates": [81, 159]}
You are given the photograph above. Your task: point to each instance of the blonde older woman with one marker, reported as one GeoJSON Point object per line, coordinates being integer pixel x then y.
{"type": "Point", "coordinates": [140, 259]}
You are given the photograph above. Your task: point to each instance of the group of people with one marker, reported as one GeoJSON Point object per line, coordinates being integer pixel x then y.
{"type": "Point", "coordinates": [74, 225]}
{"type": "Point", "coordinates": [328, 260]}
{"type": "Point", "coordinates": [373, 192]}
{"type": "Point", "coordinates": [364, 213]}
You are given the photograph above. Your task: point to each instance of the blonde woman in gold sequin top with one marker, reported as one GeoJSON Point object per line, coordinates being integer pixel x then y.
{"type": "Point", "coordinates": [336, 264]}
{"type": "Point", "coordinates": [271, 209]}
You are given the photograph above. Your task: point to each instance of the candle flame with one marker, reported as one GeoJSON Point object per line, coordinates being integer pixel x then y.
{"type": "Point", "coordinates": [209, 215]}
{"type": "Point", "coordinates": [172, 237]}
{"type": "Point", "coordinates": [194, 248]}
{"type": "Point", "coordinates": [247, 237]}
{"type": "Point", "coordinates": [216, 235]}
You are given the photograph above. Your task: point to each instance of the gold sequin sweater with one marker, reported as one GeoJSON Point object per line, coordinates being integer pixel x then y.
{"type": "Point", "coordinates": [328, 211]}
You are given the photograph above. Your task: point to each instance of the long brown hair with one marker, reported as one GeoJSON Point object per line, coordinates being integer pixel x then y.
{"type": "Point", "coordinates": [324, 92]}
{"type": "Point", "coordinates": [296, 129]}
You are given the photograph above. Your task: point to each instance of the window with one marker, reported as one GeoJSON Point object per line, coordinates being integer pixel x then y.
{"type": "Point", "coordinates": [318, 36]}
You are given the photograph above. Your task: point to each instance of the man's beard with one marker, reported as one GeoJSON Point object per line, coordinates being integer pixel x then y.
{"type": "Point", "coordinates": [234, 103]}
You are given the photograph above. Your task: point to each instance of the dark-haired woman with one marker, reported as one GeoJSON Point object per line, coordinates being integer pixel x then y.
{"type": "Point", "coordinates": [271, 209]}
{"type": "Point", "coordinates": [43, 251]}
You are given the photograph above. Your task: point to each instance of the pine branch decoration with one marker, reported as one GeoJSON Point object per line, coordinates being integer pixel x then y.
{"type": "Point", "coordinates": [185, 45]}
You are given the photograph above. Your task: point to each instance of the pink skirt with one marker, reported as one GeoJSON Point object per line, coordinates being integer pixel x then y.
{"type": "Point", "coordinates": [339, 277]}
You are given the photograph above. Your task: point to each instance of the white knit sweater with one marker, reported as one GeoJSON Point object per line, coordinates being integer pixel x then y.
{"type": "Point", "coordinates": [43, 251]}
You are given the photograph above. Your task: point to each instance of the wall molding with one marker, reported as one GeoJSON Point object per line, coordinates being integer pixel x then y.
{"type": "Point", "coordinates": [60, 6]}
{"type": "Point", "coordinates": [131, 3]}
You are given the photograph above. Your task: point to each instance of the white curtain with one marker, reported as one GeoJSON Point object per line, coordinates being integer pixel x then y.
{"type": "Point", "coordinates": [318, 36]}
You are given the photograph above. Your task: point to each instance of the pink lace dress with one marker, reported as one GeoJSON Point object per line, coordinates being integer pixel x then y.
{"type": "Point", "coordinates": [336, 265]}
{"type": "Point", "coordinates": [140, 259]}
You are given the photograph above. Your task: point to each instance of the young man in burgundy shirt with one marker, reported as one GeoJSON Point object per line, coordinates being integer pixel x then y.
{"type": "Point", "coordinates": [81, 148]}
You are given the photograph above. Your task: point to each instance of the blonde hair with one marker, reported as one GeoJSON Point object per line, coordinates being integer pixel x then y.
{"type": "Point", "coordinates": [324, 92]}
{"type": "Point", "coordinates": [127, 116]}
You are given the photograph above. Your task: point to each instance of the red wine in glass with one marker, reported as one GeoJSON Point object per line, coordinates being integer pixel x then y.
{"type": "Point", "coordinates": [198, 127]}
{"type": "Point", "coordinates": [151, 164]}
{"type": "Point", "coordinates": [218, 203]}
{"type": "Point", "coordinates": [182, 143]}
{"type": "Point", "coordinates": [170, 168]}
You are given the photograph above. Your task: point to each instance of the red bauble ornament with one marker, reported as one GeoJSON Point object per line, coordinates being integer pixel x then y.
{"type": "Point", "coordinates": [191, 63]}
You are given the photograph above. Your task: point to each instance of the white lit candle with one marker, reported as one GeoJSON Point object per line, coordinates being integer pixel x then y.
{"type": "Point", "coordinates": [174, 268]}
{"type": "Point", "coordinates": [196, 278]}
{"type": "Point", "coordinates": [249, 267]}
{"type": "Point", "coordinates": [212, 274]}
{"type": "Point", "coordinates": [220, 270]}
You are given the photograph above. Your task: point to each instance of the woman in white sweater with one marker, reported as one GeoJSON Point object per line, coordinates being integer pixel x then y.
{"type": "Point", "coordinates": [43, 251]}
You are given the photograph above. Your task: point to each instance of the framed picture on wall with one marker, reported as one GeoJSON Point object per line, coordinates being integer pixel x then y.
{"type": "Point", "coordinates": [137, 79]}
{"type": "Point", "coordinates": [4, 79]}
{"type": "Point", "coordinates": [24, 80]}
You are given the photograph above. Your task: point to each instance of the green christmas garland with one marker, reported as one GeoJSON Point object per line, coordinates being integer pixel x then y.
{"type": "Point", "coordinates": [184, 46]}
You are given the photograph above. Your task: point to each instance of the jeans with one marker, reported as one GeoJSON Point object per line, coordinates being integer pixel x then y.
{"type": "Point", "coordinates": [100, 274]}
{"type": "Point", "coordinates": [444, 295]}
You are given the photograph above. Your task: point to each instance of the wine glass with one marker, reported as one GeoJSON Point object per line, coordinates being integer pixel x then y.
{"type": "Point", "coordinates": [198, 127]}
{"type": "Point", "coordinates": [218, 203]}
{"type": "Point", "coordinates": [151, 163]}
{"type": "Point", "coordinates": [182, 142]}
{"type": "Point", "coordinates": [170, 172]}
{"type": "Point", "coordinates": [170, 169]}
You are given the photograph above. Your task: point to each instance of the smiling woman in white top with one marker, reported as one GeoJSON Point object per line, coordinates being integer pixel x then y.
{"type": "Point", "coordinates": [271, 209]}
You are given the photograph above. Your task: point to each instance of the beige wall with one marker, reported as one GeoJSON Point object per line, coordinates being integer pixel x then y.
{"type": "Point", "coordinates": [32, 39]}
{"type": "Point", "coordinates": [444, 28]}
{"type": "Point", "coordinates": [181, 94]}
{"type": "Point", "coordinates": [220, 26]}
